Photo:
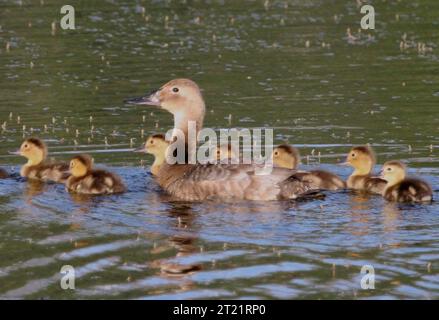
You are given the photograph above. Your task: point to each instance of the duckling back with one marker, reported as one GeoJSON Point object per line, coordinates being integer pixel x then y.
{"type": "Point", "coordinates": [96, 182]}
{"type": "Point", "coordinates": [409, 190]}
{"type": "Point", "coordinates": [366, 183]}
{"type": "Point", "coordinates": [322, 180]}
{"type": "Point", "coordinates": [57, 172]}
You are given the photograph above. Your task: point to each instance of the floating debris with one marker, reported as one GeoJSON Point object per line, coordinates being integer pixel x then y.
{"type": "Point", "coordinates": [53, 28]}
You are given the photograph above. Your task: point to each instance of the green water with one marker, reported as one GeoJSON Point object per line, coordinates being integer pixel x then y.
{"type": "Point", "coordinates": [289, 66]}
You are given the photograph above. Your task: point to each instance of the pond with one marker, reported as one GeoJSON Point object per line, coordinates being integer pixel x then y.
{"type": "Point", "coordinates": [288, 65]}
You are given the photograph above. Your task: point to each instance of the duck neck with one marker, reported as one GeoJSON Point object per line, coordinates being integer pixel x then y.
{"type": "Point", "coordinates": [363, 170]}
{"type": "Point", "coordinates": [34, 160]}
{"type": "Point", "coordinates": [188, 124]}
{"type": "Point", "coordinates": [158, 161]}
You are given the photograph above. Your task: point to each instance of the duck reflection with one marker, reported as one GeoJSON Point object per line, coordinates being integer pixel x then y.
{"type": "Point", "coordinates": [183, 241]}
{"type": "Point", "coordinates": [361, 209]}
{"type": "Point", "coordinates": [33, 189]}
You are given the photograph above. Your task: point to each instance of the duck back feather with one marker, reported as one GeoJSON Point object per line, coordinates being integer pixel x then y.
{"type": "Point", "coordinates": [409, 190]}
{"type": "Point", "coordinates": [47, 171]}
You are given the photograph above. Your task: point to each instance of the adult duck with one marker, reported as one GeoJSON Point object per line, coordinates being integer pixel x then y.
{"type": "Point", "coordinates": [223, 182]}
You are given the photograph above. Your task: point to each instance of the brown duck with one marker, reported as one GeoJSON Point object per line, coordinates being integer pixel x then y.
{"type": "Point", "coordinates": [224, 182]}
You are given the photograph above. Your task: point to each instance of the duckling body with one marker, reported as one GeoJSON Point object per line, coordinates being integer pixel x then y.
{"type": "Point", "coordinates": [286, 156]}
{"type": "Point", "coordinates": [86, 180]}
{"type": "Point", "coordinates": [399, 188]}
{"type": "Point", "coordinates": [38, 167]}
{"type": "Point", "coordinates": [362, 159]}
{"type": "Point", "coordinates": [197, 182]}
{"type": "Point", "coordinates": [366, 183]}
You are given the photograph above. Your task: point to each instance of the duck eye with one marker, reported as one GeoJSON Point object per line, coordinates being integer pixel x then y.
{"type": "Point", "coordinates": [151, 142]}
{"type": "Point", "coordinates": [175, 89]}
{"type": "Point", "coordinates": [353, 155]}
{"type": "Point", "coordinates": [26, 146]}
{"type": "Point", "coordinates": [276, 153]}
{"type": "Point", "coordinates": [389, 169]}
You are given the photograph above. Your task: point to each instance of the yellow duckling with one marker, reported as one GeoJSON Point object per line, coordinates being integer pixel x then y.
{"type": "Point", "coordinates": [86, 180]}
{"type": "Point", "coordinates": [362, 159]}
{"type": "Point", "coordinates": [37, 166]}
{"type": "Point", "coordinates": [286, 156]}
{"type": "Point", "coordinates": [402, 189]}
{"type": "Point", "coordinates": [155, 145]}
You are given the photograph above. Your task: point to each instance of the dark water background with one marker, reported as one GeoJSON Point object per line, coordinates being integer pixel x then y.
{"type": "Point", "coordinates": [288, 65]}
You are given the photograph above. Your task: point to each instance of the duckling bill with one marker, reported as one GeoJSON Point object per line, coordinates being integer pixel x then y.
{"type": "Point", "coordinates": [400, 188]}
{"type": "Point", "coordinates": [37, 166]}
{"type": "Point", "coordinates": [86, 180]}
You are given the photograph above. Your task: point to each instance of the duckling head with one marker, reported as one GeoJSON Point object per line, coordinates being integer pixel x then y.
{"type": "Point", "coordinates": [180, 97]}
{"type": "Point", "coordinates": [393, 172]}
{"type": "Point", "coordinates": [155, 145]}
{"type": "Point", "coordinates": [81, 165]}
{"type": "Point", "coordinates": [286, 156]}
{"type": "Point", "coordinates": [362, 159]}
{"type": "Point", "coordinates": [33, 149]}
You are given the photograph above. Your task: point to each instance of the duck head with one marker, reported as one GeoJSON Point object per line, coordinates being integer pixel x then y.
{"type": "Point", "coordinates": [393, 172]}
{"type": "Point", "coordinates": [34, 150]}
{"type": "Point", "coordinates": [81, 165]}
{"type": "Point", "coordinates": [285, 156]}
{"type": "Point", "coordinates": [362, 159]}
{"type": "Point", "coordinates": [155, 145]}
{"type": "Point", "coordinates": [181, 97]}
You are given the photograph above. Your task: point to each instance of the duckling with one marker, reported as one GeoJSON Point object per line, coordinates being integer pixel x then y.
{"type": "Point", "coordinates": [155, 145]}
{"type": "Point", "coordinates": [286, 156]}
{"type": "Point", "coordinates": [222, 182]}
{"type": "Point", "coordinates": [86, 180]}
{"type": "Point", "coordinates": [362, 159]}
{"type": "Point", "coordinates": [3, 174]}
{"type": "Point", "coordinates": [402, 189]}
{"type": "Point", "coordinates": [37, 166]}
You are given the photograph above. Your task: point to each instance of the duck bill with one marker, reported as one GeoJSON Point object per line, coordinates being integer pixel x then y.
{"type": "Point", "coordinates": [151, 99]}
{"type": "Point", "coordinates": [15, 153]}
{"type": "Point", "coordinates": [140, 149]}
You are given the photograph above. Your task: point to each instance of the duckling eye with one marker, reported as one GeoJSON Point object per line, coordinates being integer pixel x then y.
{"type": "Point", "coordinates": [26, 146]}
{"type": "Point", "coordinates": [175, 89]}
{"type": "Point", "coordinates": [276, 153]}
{"type": "Point", "coordinates": [353, 155]}
{"type": "Point", "coordinates": [389, 169]}
{"type": "Point", "coordinates": [151, 142]}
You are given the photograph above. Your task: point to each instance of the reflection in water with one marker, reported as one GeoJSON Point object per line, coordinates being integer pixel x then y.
{"type": "Point", "coordinates": [361, 209]}
{"type": "Point", "coordinates": [34, 188]}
